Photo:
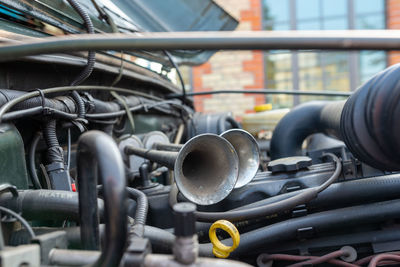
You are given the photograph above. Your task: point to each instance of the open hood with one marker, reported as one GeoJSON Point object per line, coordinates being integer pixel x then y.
{"type": "Point", "coordinates": [127, 15]}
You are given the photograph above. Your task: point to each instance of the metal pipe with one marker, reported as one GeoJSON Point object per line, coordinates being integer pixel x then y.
{"type": "Point", "coordinates": [71, 257]}
{"type": "Point", "coordinates": [265, 92]}
{"type": "Point", "coordinates": [228, 40]}
{"type": "Point", "coordinates": [97, 151]}
{"type": "Point", "coordinates": [160, 260]}
{"type": "Point", "coordinates": [167, 147]}
{"type": "Point", "coordinates": [165, 158]}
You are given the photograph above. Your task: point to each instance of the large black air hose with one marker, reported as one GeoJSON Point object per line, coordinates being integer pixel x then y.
{"type": "Point", "coordinates": [367, 122]}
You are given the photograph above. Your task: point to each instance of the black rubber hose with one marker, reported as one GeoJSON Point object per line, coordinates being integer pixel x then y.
{"type": "Point", "coordinates": [288, 230]}
{"type": "Point", "coordinates": [353, 192]}
{"type": "Point", "coordinates": [338, 195]}
{"type": "Point", "coordinates": [142, 207]}
{"type": "Point", "coordinates": [223, 120]}
{"type": "Point", "coordinates": [303, 121]}
{"type": "Point", "coordinates": [105, 107]}
{"type": "Point", "coordinates": [99, 151]}
{"type": "Point", "coordinates": [275, 207]}
{"type": "Point", "coordinates": [32, 164]}
{"type": "Point", "coordinates": [91, 54]}
{"type": "Point", "coordinates": [61, 103]}
{"type": "Point", "coordinates": [349, 239]}
{"type": "Point", "coordinates": [46, 204]}
{"type": "Point", "coordinates": [319, 222]}
{"type": "Point", "coordinates": [367, 122]}
{"type": "Point", "coordinates": [252, 213]}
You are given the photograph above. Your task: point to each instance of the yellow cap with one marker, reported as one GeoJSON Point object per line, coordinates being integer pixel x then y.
{"type": "Point", "coordinates": [219, 249]}
{"type": "Point", "coordinates": [263, 107]}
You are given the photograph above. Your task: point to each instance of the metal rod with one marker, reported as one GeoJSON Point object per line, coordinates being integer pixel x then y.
{"type": "Point", "coordinates": [165, 158]}
{"type": "Point", "coordinates": [266, 92]}
{"type": "Point", "coordinates": [167, 147]}
{"type": "Point", "coordinates": [237, 40]}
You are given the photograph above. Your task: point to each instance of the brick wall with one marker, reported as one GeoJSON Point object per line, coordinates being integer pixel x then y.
{"type": "Point", "coordinates": [393, 22]}
{"type": "Point", "coordinates": [232, 69]}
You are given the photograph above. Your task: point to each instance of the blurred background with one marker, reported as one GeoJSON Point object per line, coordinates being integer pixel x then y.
{"type": "Point", "coordinates": [290, 70]}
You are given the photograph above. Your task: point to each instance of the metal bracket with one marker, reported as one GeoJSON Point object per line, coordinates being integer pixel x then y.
{"type": "Point", "coordinates": [24, 255]}
{"type": "Point", "coordinates": [47, 242]}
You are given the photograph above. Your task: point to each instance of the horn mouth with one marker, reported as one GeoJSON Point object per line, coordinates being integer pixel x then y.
{"type": "Point", "coordinates": [248, 153]}
{"type": "Point", "coordinates": [206, 169]}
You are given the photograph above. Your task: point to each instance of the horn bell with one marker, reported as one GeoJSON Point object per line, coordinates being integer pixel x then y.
{"type": "Point", "coordinates": [206, 169]}
{"type": "Point", "coordinates": [248, 153]}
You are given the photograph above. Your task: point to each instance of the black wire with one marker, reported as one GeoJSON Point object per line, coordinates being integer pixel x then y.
{"type": "Point", "coordinates": [70, 116]}
{"type": "Point", "coordinates": [11, 103]}
{"type": "Point", "coordinates": [80, 104]}
{"type": "Point", "coordinates": [68, 149]}
{"type": "Point", "coordinates": [334, 176]}
{"type": "Point", "coordinates": [272, 208]}
{"type": "Point", "coordinates": [32, 166]}
{"type": "Point", "coordinates": [85, 73]}
{"type": "Point", "coordinates": [91, 59]}
{"type": "Point", "coordinates": [109, 115]}
{"type": "Point", "coordinates": [36, 111]}
{"type": "Point", "coordinates": [20, 219]}
{"type": "Point", "coordinates": [22, 113]}
{"type": "Point", "coordinates": [91, 117]}
{"type": "Point", "coordinates": [136, 108]}
{"type": "Point", "coordinates": [179, 75]}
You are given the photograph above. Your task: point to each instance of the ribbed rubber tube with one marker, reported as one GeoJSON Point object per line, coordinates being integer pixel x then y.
{"type": "Point", "coordinates": [370, 121]}
{"type": "Point", "coordinates": [91, 59]}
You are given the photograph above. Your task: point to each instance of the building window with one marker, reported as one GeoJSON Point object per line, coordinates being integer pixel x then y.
{"type": "Point", "coordinates": [322, 70]}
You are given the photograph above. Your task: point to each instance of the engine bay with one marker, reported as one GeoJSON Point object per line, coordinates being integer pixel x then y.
{"type": "Point", "coordinates": [104, 163]}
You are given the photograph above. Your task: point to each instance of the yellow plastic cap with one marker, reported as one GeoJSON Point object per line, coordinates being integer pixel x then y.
{"type": "Point", "coordinates": [219, 249]}
{"type": "Point", "coordinates": [263, 107]}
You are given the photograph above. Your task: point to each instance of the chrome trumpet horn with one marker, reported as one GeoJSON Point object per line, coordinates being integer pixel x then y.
{"type": "Point", "coordinates": [246, 148]}
{"type": "Point", "coordinates": [206, 167]}
{"type": "Point", "coordinates": [248, 153]}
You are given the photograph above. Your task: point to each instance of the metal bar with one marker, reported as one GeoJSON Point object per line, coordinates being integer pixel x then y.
{"type": "Point", "coordinates": [294, 54]}
{"type": "Point", "coordinates": [353, 57]}
{"type": "Point", "coordinates": [266, 91]}
{"type": "Point", "coordinates": [240, 40]}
